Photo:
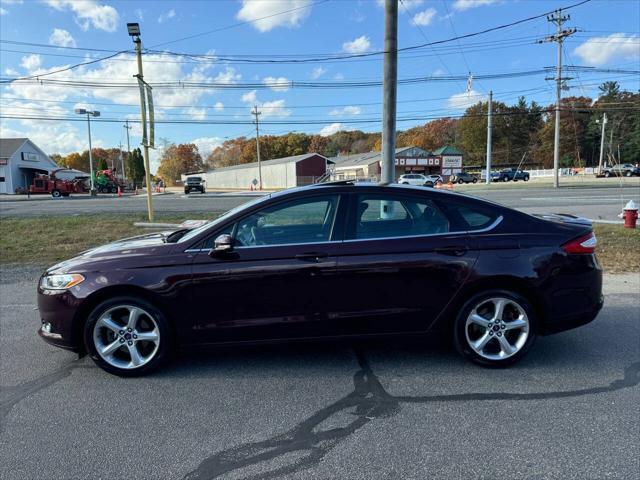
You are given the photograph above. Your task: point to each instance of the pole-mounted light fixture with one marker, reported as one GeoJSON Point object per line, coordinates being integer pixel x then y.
{"type": "Point", "coordinates": [133, 29]}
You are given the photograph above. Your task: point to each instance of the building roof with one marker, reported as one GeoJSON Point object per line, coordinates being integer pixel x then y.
{"type": "Point", "coordinates": [447, 150]}
{"type": "Point", "coordinates": [266, 163]}
{"type": "Point", "coordinates": [358, 159]}
{"type": "Point", "coordinates": [9, 146]}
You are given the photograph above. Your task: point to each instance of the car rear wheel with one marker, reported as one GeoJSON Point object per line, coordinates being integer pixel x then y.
{"type": "Point", "coordinates": [127, 336]}
{"type": "Point", "coordinates": [607, 174]}
{"type": "Point", "coordinates": [628, 174]}
{"type": "Point", "coordinates": [475, 180]}
{"type": "Point", "coordinates": [495, 328]}
{"type": "Point", "coordinates": [505, 179]}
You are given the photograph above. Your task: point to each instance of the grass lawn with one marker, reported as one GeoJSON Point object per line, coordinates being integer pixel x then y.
{"type": "Point", "coordinates": [46, 240]}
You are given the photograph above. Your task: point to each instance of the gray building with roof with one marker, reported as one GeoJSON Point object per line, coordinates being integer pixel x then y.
{"type": "Point", "coordinates": [20, 160]}
{"type": "Point", "coordinates": [278, 173]}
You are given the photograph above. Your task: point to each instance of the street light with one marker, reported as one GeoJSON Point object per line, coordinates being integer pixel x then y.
{"type": "Point", "coordinates": [89, 114]}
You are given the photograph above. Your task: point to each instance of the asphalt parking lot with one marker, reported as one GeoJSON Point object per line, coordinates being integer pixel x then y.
{"type": "Point", "coordinates": [388, 410]}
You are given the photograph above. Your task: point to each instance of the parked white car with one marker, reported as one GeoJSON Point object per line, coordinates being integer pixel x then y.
{"type": "Point", "coordinates": [419, 179]}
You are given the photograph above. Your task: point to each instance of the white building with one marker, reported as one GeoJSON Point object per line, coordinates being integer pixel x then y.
{"type": "Point", "coordinates": [20, 160]}
{"type": "Point", "coordinates": [278, 173]}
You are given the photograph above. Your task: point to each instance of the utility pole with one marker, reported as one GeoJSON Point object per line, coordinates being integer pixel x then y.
{"type": "Point", "coordinates": [489, 135]}
{"type": "Point", "coordinates": [134, 31]}
{"type": "Point", "coordinates": [559, 37]}
{"type": "Point", "coordinates": [604, 122]}
{"type": "Point", "coordinates": [121, 160]}
{"type": "Point", "coordinates": [389, 91]}
{"type": "Point", "coordinates": [127, 127]}
{"type": "Point", "coordinates": [257, 113]}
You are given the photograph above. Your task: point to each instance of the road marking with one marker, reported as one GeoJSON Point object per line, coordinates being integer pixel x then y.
{"type": "Point", "coordinates": [553, 199]}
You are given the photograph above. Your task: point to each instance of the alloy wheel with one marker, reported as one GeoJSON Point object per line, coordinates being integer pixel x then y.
{"type": "Point", "coordinates": [126, 337]}
{"type": "Point", "coordinates": [497, 328]}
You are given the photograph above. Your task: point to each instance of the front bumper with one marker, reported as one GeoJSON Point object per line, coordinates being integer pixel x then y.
{"type": "Point", "coordinates": [56, 312]}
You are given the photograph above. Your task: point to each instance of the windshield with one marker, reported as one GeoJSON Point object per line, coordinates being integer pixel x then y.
{"type": "Point", "coordinates": [197, 231]}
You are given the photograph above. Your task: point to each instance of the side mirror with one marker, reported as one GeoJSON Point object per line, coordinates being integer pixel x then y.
{"type": "Point", "coordinates": [223, 244]}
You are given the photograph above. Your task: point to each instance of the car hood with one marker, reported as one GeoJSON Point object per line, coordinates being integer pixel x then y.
{"type": "Point", "coordinates": [142, 245]}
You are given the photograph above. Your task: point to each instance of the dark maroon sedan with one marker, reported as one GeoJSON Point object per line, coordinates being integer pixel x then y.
{"type": "Point", "coordinates": [329, 261]}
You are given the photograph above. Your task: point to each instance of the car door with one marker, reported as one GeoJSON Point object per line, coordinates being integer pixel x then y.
{"type": "Point", "coordinates": [402, 261]}
{"type": "Point", "coordinates": [274, 283]}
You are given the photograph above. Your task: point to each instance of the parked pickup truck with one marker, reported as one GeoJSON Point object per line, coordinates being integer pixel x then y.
{"type": "Point", "coordinates": [621, 170]}
{"type": "Point", "coordinates": [509, 174]}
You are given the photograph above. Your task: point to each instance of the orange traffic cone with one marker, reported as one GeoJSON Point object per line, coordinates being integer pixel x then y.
{"type": "Point", "coordinates": [450, 185]}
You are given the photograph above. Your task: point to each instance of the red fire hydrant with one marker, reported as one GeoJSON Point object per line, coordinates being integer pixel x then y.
{"type": "Point", "coordinates": [630, 214]}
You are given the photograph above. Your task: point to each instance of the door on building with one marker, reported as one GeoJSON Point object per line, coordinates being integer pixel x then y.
{"type": "Point", "coordinates": [395, 271]}
{"type": "Point", "coordinates": [275, 282]}
{"type": "Point", "coordinates": [3, 180]}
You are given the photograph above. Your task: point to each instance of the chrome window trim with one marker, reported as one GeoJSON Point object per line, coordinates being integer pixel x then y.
{"type": "Point", "coordinates": [464, 232]}
{"type": "Point", "coordinates": [496, 222]}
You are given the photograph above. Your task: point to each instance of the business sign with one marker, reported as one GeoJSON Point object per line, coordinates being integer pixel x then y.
{"type": "Point", "coordinates": [451, 161]}
{"type": "Point", "coordinates": [411, 161]}
{"type": "Point", "coordinates": [422, 161]}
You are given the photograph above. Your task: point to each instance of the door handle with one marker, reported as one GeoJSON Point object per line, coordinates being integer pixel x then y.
{"type": "Point", "coordinates": [453, 250]}
{"type": "Point", "coordinates": [312, 256]}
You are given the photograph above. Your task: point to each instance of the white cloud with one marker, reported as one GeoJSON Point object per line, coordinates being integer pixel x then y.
{"type": "Point", "coordinates": [12, 72]}
{"type": "Point", "coordinates": [331, 129]}
{"type": "Point", "coordinates": [61, 38]}
{"type": "Point", "coordinates": [349, 110]}
{"type": "Point", "coordinates": [31, 62]}
{"type": "Point", "coordinates": [601, 50]}
{"type": "Point", "coordinates": [406, 4]}
{"type": "Point", "coordinates": [467, 4]}
{"type": "Point", "coordinates": [228, 77]}
{"type": "Point", "coordinates": [250, 97]}
{"type": "Point", "coordinates": [317, 72]}
{"type": "Point", "coordinates": [219, 106]}
{"type": "Point", "coordinates": [275, 108]}
{"type": "Point", "coordinates": [90, 13]}
{"type": "Point", "coordinates": [359, 45]}
{"type": "Point", "coordinates": [465, 99]}
{"type": "Point", "coordinates": [425, 17]}
{"type": "Point", "coordinates": [338, 76]}
{"type": "Point", "coordinates": [280, 84]}
{"type": "Point", "coordinates": [438, 72]}
{"type": "Point", "coordinates": [166, 16]}
{"type": "Point", "coordinates": [139, 13]}
{"type": "Point", "coordinates": [3, 11]}
{"type": "Point", "coordinates": [196, 113]}
{"type": "Point", "coordinates": [271, 13]}
{"type": "Point", "coordinates": [206, 145]}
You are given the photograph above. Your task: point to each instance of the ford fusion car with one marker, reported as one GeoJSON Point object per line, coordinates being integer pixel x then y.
{"type": "Point", "coordinates": [329, 261]}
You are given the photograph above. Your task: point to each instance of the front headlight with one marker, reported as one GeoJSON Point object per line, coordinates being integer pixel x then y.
{"type": "Point", "coordinates": [61, 282]}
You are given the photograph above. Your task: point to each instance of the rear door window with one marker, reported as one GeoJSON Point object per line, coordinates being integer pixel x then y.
{"type": "Point", "coordinates": [386, 216]}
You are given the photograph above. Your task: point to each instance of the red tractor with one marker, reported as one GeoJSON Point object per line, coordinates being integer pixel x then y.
{"type": "Point", "coordinates": [55, 186]}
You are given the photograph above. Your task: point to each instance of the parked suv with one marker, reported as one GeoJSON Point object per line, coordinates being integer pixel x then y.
{"type": "Point", "coordinates": [464, 177]}
{"type": "Point", "coordinates": [622, 170]}
{"type": "Point", "coordinates": [194, 184]}
{"type": "Point", "coordinates": [419, 179]}
{"type": "Point", "coordinates": [510, 174]}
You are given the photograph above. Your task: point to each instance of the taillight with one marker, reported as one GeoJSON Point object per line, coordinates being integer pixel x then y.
{"type": "Point", "coordinates": [584, 244]}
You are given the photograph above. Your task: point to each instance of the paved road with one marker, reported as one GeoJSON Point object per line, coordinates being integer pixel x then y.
{"type": "Point", "coordinates": [570, 409]}
{"type": "Point", "coordinates": [592, 202]}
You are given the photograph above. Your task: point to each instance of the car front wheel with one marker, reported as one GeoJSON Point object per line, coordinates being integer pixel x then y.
{"type": "Point", "coordinates": [495, 328]}
{"type": "Point", "coordinates": [127, 336]}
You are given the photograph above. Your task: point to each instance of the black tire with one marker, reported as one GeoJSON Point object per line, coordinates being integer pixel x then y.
{"type": "Point", "coordinates": [515, 179]}
{"type": "Point", "coordinates": [460, 182]}
{"type": "Point", "coordinates": [526, 179]}
{"type": "Point", "coordinates": [428, 184]}
{"type": "Point", "coordinates": [607, 174]}
{"type": "Point", "coordinates": [164, 347]}
{"type": "Point", "coordinates": [475, 180]}
{"type": "Point", "coordinates": [460, 336]}
{"type": "Point", "coordinates": [627, 174]}
{"type": "Point", "coordinates": [407, 183]}
{"type": "Point", "coordinates": [113, 189]}
{"type": "Point", "coordinates": [56, 193]}
{"type": "Point", "coordinates": [505, 179]}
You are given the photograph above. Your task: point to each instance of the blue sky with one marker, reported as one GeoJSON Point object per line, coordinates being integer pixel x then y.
{"type": "Point", "coordinates": [58, 30]}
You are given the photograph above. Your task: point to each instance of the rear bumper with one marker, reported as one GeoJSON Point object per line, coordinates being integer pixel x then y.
{"type": "Point", "coordinates": [562, 324]}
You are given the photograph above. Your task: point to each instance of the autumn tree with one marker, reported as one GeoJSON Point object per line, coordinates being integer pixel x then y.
{"type": "Point", "coordinates": [177, 160]}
